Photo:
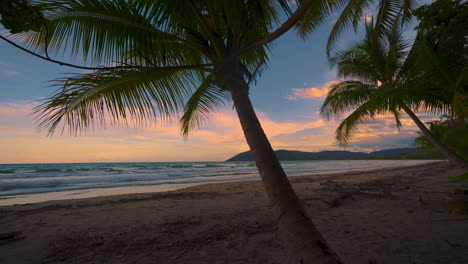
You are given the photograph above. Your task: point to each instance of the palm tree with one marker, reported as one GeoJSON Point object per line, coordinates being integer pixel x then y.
{"type": "Point", "coordinates": [382, 76]}
{"type": "Point", "coordinates": [163, 57]}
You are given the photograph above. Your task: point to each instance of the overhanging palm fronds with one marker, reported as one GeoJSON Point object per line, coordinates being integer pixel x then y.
{"type": "Point", "coordinates": [140, 34]}
{"type": "Point", "coordinates": [102, 31]}
{"type": "Point", "coordinates": [87, 100]}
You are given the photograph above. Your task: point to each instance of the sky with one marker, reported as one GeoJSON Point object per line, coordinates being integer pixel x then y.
{"type": "Point", "coordinates": [286, 96]}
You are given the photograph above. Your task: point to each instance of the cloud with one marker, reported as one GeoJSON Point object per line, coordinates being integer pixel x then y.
{"type": "Point", "coordinates": [9, 73]}
{"type": "Point", "coordinates": [220, 138]}
{"type": "Point", "coordinates": [395, 139]}
{"type": "Point", "coordinates": [6, 71]}
{"type": "Point", "coordinates": [313, 92]}
{"type": "Point", "coordinates": [368, 16]}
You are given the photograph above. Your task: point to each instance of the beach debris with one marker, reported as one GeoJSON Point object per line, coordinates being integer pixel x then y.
{"type": "Point", "coordinates": [330, 185]}
{"type": "Point", "coordinates": [11, 236]}
{"type": "Point", "coordinates": [421, 201]}
{"type": "Point", "coordinates": [373, 194]}
{"type": "Point", "coordinates": [453, 244]}
{"type": "Point", "coordinates": [338, 200]}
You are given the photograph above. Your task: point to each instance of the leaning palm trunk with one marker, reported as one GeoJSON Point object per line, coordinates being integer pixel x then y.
{"type": "Point", "coordinates": [304, 242]}
{"type": "Point", "coordinates": [450, 155]}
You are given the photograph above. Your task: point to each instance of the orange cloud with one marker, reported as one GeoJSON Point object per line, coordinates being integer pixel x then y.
{"type": "Point", "coordinates": [368, 15]}
{"type": "Point", "coordinates": [311, 92]}
{"type": "Point", "coordinates": [220, 138]}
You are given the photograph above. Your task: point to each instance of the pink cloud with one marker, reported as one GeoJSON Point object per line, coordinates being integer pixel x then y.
{"type": "Point", "coordinates": [220, 138]}
{"type": "Point", "coordinates": [313, 92]}
{"type": "Point", "coordinates": [368, 15]}
{"type": "Point", "coordinates": [12, 109]}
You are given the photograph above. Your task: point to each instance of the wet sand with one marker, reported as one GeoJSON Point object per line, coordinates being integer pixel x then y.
{"type": "Point", "coordinates": [397, 215]}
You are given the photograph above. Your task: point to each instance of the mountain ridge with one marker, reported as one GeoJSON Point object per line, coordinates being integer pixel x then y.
{"type": "Point", "coordinates": [339, 155]}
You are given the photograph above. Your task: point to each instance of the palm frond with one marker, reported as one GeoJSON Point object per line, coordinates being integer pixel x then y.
{"type": "Point", "coordinates": [388, 12]}
{"type": "Point", "coordinates": [103, 31]}
{"type": "Point", "coordinates": [387, 15]}
{"type": "Point", "coordinates": [352, 122]}
{"type": "Point", "coordinates": [345, 96]}
{"type": "Point", "coordinates": [351, 15]}
{"type": "Point", "coordinates": [206, 99]}
{"type": "Point", "coordinates": [356, 64]}
{"type": "Point", "coordinates": [317, 13]}
{"type": "Point", "coordinates": [88, 100]}
{"type": "Point", "coordinates": [158, 33]}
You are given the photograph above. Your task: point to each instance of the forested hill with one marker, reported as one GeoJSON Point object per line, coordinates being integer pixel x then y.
{"type": "Point", "coordinates": [399, 153]}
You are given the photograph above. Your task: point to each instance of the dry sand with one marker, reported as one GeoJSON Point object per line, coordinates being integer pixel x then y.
{"type": "Point", "coordinates": [397, 215]}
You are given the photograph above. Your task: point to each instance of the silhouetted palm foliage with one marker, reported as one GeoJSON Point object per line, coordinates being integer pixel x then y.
{"type": "Point", "coordinates": [384, 75]}
{"type": "Point", "coordinates": [352, 12]}
{"type": "Point", "coordinates": [374, 70]}
{"type": "Point", "coordinates": [442, 53]}
{"type": "Point", "coordinates": [174, 34]}
{"type": "Point", "coordinates": [184, 36]}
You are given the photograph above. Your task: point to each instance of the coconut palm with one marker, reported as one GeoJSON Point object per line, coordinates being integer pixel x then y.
{"type": "Point", "coordinates": [164, 57]}
{"type": "Point", "coordinates": [382, 76]}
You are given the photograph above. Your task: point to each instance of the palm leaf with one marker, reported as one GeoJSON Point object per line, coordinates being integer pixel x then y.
{"type": "Point", "coordinates": [388, 12]}
{"type": "Point", "coordinates": [347, 127]}
{"type": "Point", "coordinates": [88, 100]}
{"type": "Point", "coordinates": [103, 30]}
{"type": "Point", "coordinates": [157, 34]}
{"type": "Point", "coordinates": [316, 15]}
{"type": "Point", "coordinates": [351, 15]}
{"type": "Point", "coordinates": [345, 96]}
{"type": "Point", "coordinates": [206, 99]}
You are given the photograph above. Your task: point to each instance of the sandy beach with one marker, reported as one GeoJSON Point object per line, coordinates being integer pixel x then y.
{"type": "Point", "coordinates": [397, 215]}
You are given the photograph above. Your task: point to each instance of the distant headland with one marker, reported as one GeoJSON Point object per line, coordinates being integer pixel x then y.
{"type": "Point", "coordinates": [398, 153]}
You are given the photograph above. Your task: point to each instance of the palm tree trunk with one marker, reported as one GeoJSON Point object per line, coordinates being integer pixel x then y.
{"type": "Point", "coordinates": [306, 244]}
{"type": "Point", "coordinates": [450, 155]}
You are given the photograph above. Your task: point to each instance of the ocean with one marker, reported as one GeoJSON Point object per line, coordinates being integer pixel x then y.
{"type": "Point", "coordinates": [30, 183]}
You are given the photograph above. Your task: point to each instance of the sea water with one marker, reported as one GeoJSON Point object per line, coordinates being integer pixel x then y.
{"type": "Point", "coordinates": [29, 183]}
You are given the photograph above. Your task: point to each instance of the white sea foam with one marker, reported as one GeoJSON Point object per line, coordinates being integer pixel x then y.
{"type": "Point", "coordinates": [25, 183]}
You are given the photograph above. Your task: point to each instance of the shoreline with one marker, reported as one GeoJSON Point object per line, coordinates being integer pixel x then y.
{"type": "Point", "coordinates": [396, 215]}
{"type": "Point", "coordinates": [161, 188]}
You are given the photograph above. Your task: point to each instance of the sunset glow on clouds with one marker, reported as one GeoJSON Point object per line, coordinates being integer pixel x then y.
{"type": "Point", "coordinates": [289, 117]}
{"type": "Point", "coordinates": [219, 139]}
{"type": "Point", "coordinates": [313, 92]}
